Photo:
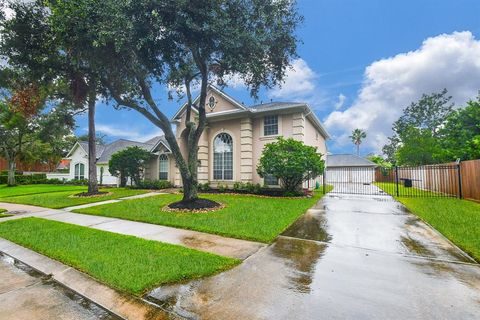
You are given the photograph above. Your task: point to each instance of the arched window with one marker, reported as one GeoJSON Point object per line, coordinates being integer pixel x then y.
{"type": "Point", "coordinates": [223, 157]}
{"type": "Point", "coordinates": [163, 167]}
{"type": "Point", "coordinates": [79, 173]}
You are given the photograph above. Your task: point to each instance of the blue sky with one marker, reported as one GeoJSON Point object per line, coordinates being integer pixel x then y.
{"type": "Point", "coordinates": [361, 62]}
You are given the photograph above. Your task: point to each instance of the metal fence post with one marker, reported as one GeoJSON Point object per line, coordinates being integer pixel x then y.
{"type": "Point", "coordinates": [324, 185]}
{"type": "Point", "coordinates": [460, 195]}
{"type": "Point", "coordinates": [396, 181]}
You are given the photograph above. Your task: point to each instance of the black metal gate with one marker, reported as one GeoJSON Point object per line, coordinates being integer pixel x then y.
{"type": "Point", "coordinates": [421, 181]}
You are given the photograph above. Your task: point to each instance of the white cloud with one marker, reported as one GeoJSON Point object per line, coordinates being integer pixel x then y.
{"type": "Point", "coordinates": [449, 61]}
{"type": "Point", "coordinates": [129, 134]}
{"type": "Point", "coordinates": [341, 101]}
{"type": "Point", "coordinates": [299, 82]}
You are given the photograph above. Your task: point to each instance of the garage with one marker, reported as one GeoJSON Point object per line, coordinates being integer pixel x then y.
{"type": "Point", "coordinates": [349, 173]}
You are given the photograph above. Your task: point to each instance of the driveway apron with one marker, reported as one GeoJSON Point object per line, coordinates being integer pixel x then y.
{"type": "Point", "coordinates": [361, 257]}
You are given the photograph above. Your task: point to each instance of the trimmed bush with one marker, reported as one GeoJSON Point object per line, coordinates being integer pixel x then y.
{"type": "Point", "coordinates": [153, 184]}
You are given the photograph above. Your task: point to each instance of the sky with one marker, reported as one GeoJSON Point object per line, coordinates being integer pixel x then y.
{"type": "Point", "coordinates": [361, 62]}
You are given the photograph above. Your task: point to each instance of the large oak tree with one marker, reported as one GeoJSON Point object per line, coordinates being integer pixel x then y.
{"type": "Point", "coordinates": [135, 46]}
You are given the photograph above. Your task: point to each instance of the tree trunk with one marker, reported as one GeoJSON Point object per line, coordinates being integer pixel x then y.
{"type": "Point", "coordinates": [190, 190]}
{"type": "Point", "coordinates": [92, 150]}
{"type": "Point", "coordinates": [11, 172]}
{"type": "Point", "coordinates": [358, 149]}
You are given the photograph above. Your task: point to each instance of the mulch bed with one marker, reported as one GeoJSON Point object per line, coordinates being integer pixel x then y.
{"type": "Point", "coordinates": [197, 206]}
{"type": "Point", "coordinates": [91, 195]}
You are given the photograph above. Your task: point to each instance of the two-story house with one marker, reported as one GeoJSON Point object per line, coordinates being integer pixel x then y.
{"type": "Point", "coordinates": [230, 146]}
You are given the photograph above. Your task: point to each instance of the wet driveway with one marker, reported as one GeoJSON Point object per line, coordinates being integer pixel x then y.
{"type": "Point", "coordinates": [349, 257]}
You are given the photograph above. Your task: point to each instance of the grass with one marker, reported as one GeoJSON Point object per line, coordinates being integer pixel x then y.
{"type": "Point", "coordinates": [124, 262]}
{"type": "Point", "coordinates": [62, 199]}
{"type": "Point", "coordinates": [20, 190]}
{"type": "Point", "coordinates": [390, 188]}
{"type": "Point", "coordinates": [2, 213]}
{"type": "Point", "coordinates": [458, 220]}
{"type": "Point", "coordinates": [245, 217]}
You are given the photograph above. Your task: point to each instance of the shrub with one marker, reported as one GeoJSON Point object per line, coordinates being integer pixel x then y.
{"type": "Point", "coordinates": [291, 161]}
{"type": "Point", "coordinates": [129, 162]}
{"type": "Point", "coordinates": [222, 187]}
{"type": "Point", "coordinates": [204, 187]}
{"type": "Point", "coordinates": [153, 184]}
{"type": "Point", "coordinates": [238, 186]}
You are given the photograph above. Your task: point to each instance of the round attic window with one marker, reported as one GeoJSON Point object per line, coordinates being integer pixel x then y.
{"type": "Point", "coordinates": [212, 103]}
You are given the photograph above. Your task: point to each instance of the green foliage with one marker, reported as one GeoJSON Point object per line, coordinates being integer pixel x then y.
{"type": "Point", "coordinates": [153, 184]}
{"type": "Point", "coordinates": [357, 137]}
{"type": "Point", "coordinates": [291, 161]}
{"type": "Point", "coordinates": [37, 178]}
{"type": "Point", "coordinates": [128, 163]}
{"type": "Point", "coordinates": [430, 132]}
{"type": "Point", "coordinates": [124, 262]}
{"type": "Point", "coordinates": [62, 199]}
{"type": "Point", "coordinates": [248, 187]}
{"type": "Point", "coordinates": [204, 186]}
{"type": "Point", "coordinates": [380, 161]}
{"type": "Point", "coordinates": [222, 187]}
{"type": "Point", "coordinates": [460, 137]}
{"type": "Point", "coordinates": [178, 42]}
{"type": "Point", "coordinates": [34, 137]}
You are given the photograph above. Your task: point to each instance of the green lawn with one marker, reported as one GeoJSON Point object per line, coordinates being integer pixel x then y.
{"type": "Point", "coordinates": [62, 199]}
{"type": "Point", "coordinates": [20, 190]}
{"type": "Point", "coordinates": [458, 220]}
{"type": "Point", "coordinates": [123, 262]}
{"type": "Point", "coordinates": [2, 213]}
{"type": "Point", "coordinates": [390, 188]}
{"type": "Point", "coordinates": [245, 217]}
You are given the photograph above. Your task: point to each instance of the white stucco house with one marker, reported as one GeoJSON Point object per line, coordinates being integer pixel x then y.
{"type": "Point", "coordinates": [229, 147]}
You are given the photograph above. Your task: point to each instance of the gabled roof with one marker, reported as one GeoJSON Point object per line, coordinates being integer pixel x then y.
{"type": "Point", "coordinates": [348, 160]}
{"type": "Point", "coordinates": [256, 109]}
{"type": "Point", "coordinates": [217, 91]}
{"type": "Point", "coordinates": [104, 152]}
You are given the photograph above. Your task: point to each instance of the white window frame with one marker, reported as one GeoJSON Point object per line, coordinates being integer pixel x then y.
{"type": "Point", "coordinates": [266, 126]}
{"type": "Point", "coordinates": [78, 176]}
{"type": "Point", "coordinates": [222, 178]}
{"type": "Point", "coordinates": [165, 162]}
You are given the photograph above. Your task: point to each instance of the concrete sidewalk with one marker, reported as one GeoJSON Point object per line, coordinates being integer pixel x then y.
{"type": "Point", "coordinates": [229, 247]}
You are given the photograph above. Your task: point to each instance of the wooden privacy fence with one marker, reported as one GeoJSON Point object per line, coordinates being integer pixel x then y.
{"type": "Point", "coordinates": [462, 180]}
{"type": "Point", "coordinates": [36, 167]}
{"type": "Point", "coordinates": [470, 176]}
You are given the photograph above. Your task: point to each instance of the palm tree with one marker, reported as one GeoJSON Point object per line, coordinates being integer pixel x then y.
{"type": "Point", "coordinates": [357, 136]}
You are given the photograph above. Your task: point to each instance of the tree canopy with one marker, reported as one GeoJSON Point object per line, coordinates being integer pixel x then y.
{"type": "Point", "coordinates": [431, 131]}
{"type": "Point", "coordinates": [291, 161]}
{"type": "Point", "coordinates": [134, 46]}
{"type": "Point", "coordinates": [28, 130]}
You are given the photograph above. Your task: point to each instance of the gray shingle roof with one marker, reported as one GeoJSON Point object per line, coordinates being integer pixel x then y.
{"type": "Point", "coordinates": [275, 105]}
{"type": "Point", "coordinates": [104, 152]}
{"type": "Point", "coordinates": [348, 160]}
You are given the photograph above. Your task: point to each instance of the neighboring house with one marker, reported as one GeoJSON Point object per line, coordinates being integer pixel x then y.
{"type": "Point", "coordinates": [78, 157]}
{"type": "Point", "coordinates": [349, 168]}
{"type": "Point", "coordinates": [229, 148]}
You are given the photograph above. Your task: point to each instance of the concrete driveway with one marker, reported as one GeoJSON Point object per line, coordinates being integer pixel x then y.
{"type": "Point", "coordinates": [350, 257]}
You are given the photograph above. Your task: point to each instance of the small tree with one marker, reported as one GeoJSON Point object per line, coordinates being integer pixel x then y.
{"type": "Point", "coordinates": [27, 131]}
{"type": "Point", "coordinates": [129, 162]}
{"type": "Point", "coordinates": [357, 137]}
{"type": "Point", "coordinates": [291, 161]}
